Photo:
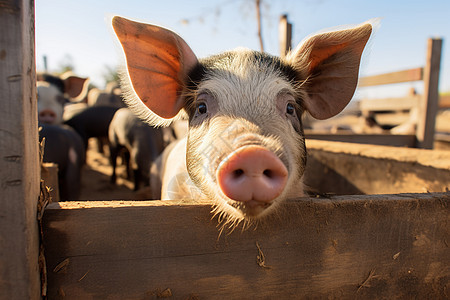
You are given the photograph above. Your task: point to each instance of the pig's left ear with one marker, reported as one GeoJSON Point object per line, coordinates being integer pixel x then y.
{"type": "Point", "coordinates": [329, 63]}
{"type": "Point", "coordinates": [75, 87]}
{"type": "Point", "coordinates": [158, 61]}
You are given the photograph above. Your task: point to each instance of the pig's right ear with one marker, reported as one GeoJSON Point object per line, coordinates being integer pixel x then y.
{"type": "Point", "coordinates": [329, 63]}
{"type": "Point", "coordinates": [157, 62]}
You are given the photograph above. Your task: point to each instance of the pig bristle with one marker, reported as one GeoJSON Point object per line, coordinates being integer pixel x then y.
{"type": "Point", "coordinates": [229, 221]}
{"type": "Point", "coordinates": [138, 107]}
{"type": "Point", "coordinates": [225, 220]}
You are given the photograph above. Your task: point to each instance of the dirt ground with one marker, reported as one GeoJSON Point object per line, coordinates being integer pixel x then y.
{"type": "Point", "coordinates": [96, 179]}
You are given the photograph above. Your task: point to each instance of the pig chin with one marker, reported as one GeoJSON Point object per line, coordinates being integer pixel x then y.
{"type": "Point", "coordinates": [250, 210]}
{"type": "Point", "coordinates": [231, 212]}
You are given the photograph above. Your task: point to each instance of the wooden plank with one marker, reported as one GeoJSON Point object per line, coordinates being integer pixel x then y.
{"type": "Point", "coordinates": [441, 136]}
{"type": "Point", "coordinates": [390, 104]}
{"type": "Point", "coordinates": [444, 101]}
{"type": "Point", "coordinates": [342, 168]}
{"type": "Point", "coordinates": [390, 78]}
{"type": "Point", "coordinates": [284, 35]}
{"type": "Point", "coordinates": [315, 248]}
{"type": "Point", "coordinates": [373, 139]}
{"type": "Point", "coordinates": [434, 159]}
{"type": "Point", "coordinates": [429, 105]}
{"type": "Point", "coordinates": [19, 163]}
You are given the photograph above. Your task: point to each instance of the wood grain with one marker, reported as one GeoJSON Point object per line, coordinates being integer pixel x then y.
{"type": "Point", "coordinates": [19, 162]}
{"type": "Point", "coordinates": [429, 105]}
{"type": "Point", "coordinates": [390, 104]}
{"type": "Point", "coordinates": [393, 77]}
{"type": "Point", "coordinates": [323, 247]}
{"type": "Point", "coordinates": [373, 139]}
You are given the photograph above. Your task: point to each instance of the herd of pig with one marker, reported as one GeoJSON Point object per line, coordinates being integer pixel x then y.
{"type": "Point", "coordinates": [244, 149]}
{"type": "Point", "coordinates": [69, 116]}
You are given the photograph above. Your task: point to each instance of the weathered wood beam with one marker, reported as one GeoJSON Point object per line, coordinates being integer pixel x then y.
{"type": "Point", "coordinates": [428, 107]}
{"type": "Point", "coordinates": [374, 139]}
{"type": "Point", "coordinates": [19, 163]}
{"type": "Point", "coordinates": [390, 78]}
{"type": "Point", "coordinates": [384, 246]}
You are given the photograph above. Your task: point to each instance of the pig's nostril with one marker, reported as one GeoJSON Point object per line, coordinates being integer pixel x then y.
{"type": "Point", "coordinates": [268, 173]}
{"type": "Point", "coordinates": [47, 113]}
{"type": "Point", "coordinates": [237, 173]}
{"type": "Point", "coordinates": [252, 173]}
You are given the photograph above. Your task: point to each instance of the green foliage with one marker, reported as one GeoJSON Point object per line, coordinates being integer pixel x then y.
{"type": "Point", "coordinates": [110, 74]}
{"type": "Point", "coordinates": [66, 64]}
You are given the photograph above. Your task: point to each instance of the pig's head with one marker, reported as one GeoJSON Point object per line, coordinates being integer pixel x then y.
{"type": "Point", "coordinates": [53, 92]}
{"type": "Point", "coordinates": [245, 147]}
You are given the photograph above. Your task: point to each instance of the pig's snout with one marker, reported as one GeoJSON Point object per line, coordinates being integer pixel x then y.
{"type": "Point", "coordinates": [47, 116]}
{"type": "Point", "coordinates": [252, 174]}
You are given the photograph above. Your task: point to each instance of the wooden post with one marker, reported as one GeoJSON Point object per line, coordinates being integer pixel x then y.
{"type": "Point", "coordinates": [429, 105]}
{"type": "Point", "coordinates": [45, 63]}
{"type": "Point", "coordinates": [19, 163]}
{"type": "Point", "coordinates": [285, 35]}
{"type": "Point", "coordinates": [258, 17]}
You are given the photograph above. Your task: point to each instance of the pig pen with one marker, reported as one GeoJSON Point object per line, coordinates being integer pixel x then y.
{"type": "Point", "coordinates": [377, 226]}
{"type": "Point", "coordinates": [350, 246]}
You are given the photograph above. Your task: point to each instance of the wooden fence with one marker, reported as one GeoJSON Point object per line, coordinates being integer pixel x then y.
{"type": "Point", "coordinates": [19, 163]}
{"type": "Point", "coordinates": [349, 246]}
{"type": "Point", "coordinates": [361, 246]}
{"type": "Point", "coordinates": [427, 104]}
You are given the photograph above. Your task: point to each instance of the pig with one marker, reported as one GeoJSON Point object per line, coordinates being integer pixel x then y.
{"type": "Point", "coordinates": [245, 146]}
{"type": "Point", "coordinates": [54, 92]}
{"type": "Point", "coordinates": [111, 96]}
{"type": "Point", "coordinates": [64, 147]}
{"type": "Point", "coordinates": [143, 142]}
{"type": "Point", "coordinates": [91, 121]}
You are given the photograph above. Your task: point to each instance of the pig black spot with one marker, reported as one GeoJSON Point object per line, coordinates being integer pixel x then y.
{"type": "Point", "coordinates": [275, 62]}
{"type": "Point", "coordinates": [264, 60]}
{"type": "Point", "coordinates": [195, 76]}
{"type": "Point", "coordinates": [56, 81]}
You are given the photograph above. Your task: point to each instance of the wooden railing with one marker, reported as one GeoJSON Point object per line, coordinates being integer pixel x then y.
{"type": "Point", "coordinates": [427, 104]}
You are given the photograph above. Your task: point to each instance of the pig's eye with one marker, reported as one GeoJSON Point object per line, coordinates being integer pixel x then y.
{"type": "Point", "coordinates": [201, 108]}
{"type": "Point", "coordinates": [290, 109]}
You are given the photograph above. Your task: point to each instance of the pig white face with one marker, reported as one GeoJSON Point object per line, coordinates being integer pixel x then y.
{"type": "Point", "coordinates": [53, 92]}
{"type": "Point", "coordinates": [50, 103]}
{"type": "Point", "coordinates": [244, 121]}
{"type": "Point", "coordinates": [245, 149]}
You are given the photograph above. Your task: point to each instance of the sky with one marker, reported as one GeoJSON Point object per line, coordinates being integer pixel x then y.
{"type": "Point", "coordinates": [78, 31]}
